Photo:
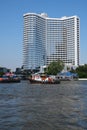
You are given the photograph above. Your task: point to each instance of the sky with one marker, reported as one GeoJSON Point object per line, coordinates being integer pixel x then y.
{"type": "Point", "coordinates": [11, 25]}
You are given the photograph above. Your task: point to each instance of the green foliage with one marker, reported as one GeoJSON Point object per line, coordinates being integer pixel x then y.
{"type": "Point", "coordinates": [73, 70]}
{"type": "Point", "coordinates": [1, 73]}
{"type": "Point", "coordinates": [55, 67]}
{"type": "Point", "coordinates": [82, 71]}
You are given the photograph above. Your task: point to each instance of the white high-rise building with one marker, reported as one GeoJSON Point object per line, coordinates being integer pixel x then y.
{"type": "Point", "coordinates": [49, 39]}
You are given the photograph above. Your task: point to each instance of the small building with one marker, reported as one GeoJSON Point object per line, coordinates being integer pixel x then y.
{"type": "Point", "coordinates": [67, 76]}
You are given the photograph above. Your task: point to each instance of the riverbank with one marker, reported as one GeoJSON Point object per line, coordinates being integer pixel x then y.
{"type": "Point", "coordinates": [82, 79]}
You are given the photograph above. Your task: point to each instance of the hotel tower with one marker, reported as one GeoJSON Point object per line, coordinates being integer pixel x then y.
{"type": "Point", "coordinates": [49, 39]}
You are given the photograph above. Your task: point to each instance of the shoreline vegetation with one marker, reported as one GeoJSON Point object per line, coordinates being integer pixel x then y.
{"type": "Point", "coordinates": [54, 68]}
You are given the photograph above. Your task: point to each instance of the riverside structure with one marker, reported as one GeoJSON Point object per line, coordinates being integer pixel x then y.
{"type": "Point", "coordinates": [49, 39]}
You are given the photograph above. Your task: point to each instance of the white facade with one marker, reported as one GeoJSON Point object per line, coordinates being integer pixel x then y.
{"type": "Point", "coordinates": [49, 39]}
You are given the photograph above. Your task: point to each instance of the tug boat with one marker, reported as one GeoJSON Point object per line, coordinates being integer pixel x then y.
{"type": "Point", "coordinates": [11, 78]}
{"type": "Point", "coordinates": [43, 79]}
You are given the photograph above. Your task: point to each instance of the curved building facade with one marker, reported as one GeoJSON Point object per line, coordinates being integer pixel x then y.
{"type": "Point", "coordinates": [34, 41]}
{"type": "Point", "coordinates": [49, 39]}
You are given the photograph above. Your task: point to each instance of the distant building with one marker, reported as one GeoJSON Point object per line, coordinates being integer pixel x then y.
{"type": "Point", "coordinates": [4, 70]}
{"type": "Point", "coordinates": [49, 39]}
{"type": "Point", "coordinates": [18, 70]}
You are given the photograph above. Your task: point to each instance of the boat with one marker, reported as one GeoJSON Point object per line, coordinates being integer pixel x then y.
{"type": "Point", "coordinates": [43, 79]}
{"type": "Point", "coordinates": [8, 79]}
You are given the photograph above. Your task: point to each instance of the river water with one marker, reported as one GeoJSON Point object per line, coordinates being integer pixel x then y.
{"type": "Point", "coordinates": [25, 106]}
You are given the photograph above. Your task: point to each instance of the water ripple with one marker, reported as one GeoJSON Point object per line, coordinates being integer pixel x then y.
{"type": "Point", "coordinates": [43, 107]}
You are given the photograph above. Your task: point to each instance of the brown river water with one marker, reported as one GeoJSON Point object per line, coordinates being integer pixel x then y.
{"type": "Point", "coordinates": [25, 106]}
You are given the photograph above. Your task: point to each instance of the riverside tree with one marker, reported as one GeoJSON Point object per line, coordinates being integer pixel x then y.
{"type": "Point", "coordinates": [82, 71]}
{"type": "Point", "coordinates": [55, 67]}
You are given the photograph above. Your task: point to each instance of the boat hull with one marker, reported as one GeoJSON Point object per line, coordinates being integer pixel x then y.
{"type": "Point", "coordinates": [10, 81]}
{"type": "Point", "coordinates": [44, 82]}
